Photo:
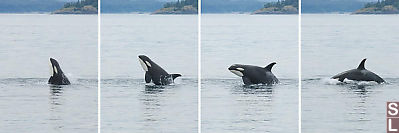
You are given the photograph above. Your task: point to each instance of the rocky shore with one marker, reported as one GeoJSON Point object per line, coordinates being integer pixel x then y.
{"type": "Point", "coordinates": [373, 10]}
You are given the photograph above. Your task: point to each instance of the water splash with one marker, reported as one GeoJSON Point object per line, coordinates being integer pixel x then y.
{"type": "Point", "coordinates": [329, 81]}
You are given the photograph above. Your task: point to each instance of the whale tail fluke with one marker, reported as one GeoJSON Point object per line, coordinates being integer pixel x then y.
{"type": "Point", "coordinates": [270, 66]}
{"type": "Point", "coordinates": [361, 65]}
{"type": "Point", "coordinates": [174, 76]}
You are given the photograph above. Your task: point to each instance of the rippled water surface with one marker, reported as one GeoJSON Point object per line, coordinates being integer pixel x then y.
{"type": "Point", "coordinates": [30, 105]}
{"type": "Point", "coordinates": [228, 106]}
{"type": "Point", "coordinates": [130, 105]}
{"type": "Point", "coordinates": [27, 103]}
{"type": "Point", "coordinates": [335, 43]}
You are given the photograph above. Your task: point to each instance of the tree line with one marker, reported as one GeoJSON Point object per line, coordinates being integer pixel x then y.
{"type": "Point", "coordinates": [282, 3]}
{"type": "Point", "coordinates": [381, 4]}
{"type": "Point", "coordinates": [180, 4]}
{"type": "Point", "coordinates": [81, 3]}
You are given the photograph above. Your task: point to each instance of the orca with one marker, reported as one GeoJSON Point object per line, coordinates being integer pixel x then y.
{"type": "Point", "coordinates": [359, 74]}
{"type": "Point", "coordinates": [254, 74]}
{"type": "Point", "coordinates": [57, 76]}
{"type": "Point", "coordinates": [154, 73]}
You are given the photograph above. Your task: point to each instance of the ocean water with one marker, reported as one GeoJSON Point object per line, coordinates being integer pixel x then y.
{"type": "Point", "coordinates": [334, 43]}
{"type": "Point", "coordinates": [227, 105]}
{"type": "Point", "coordinates": [130, 105]}
{"type": "Point", "coordinates": [27, 102]}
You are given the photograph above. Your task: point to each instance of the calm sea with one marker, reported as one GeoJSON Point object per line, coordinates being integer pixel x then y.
{"type": "Point", "coordinates": [130, 105]}
{"type": "Point", "coordinates": [27, 103]}
{"type": "Point", "coordinates": [333, 43]}
{"type": "Point", "coordinates": [228, 106]}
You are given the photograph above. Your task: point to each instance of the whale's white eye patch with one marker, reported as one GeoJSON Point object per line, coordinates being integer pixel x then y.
{"type": "Point", "coordinates": [238, 73]}
{"type": "Point", "coordinates": [149, 64]}
{"type": "Point", "coordinates": [145, 68]}
{"type": "Point", "coordinates": [239, 68]}
{"type": "Point", "coordinates": [55, 69]}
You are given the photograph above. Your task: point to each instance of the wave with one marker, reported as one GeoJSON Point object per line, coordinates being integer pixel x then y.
{"type": "Point", "coordinates": [44, 81]}
{"type": "Point", "coordinates": [329, 81]}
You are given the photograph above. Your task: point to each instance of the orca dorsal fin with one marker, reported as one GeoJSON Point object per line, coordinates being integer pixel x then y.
{"type": "Point", "coordinates": [175, 76]}
{"type": "Point", "coordinates": [361, 65]}
{"type": "Point", "coordinates": [269, 67]}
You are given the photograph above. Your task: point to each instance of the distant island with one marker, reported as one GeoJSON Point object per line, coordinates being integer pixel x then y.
{"type": "Point", "coordinates": [179, 7]}
{"type": "Point", "coordinates": [380, 7]}
{"type": "Point", "coordinates": [79, 7]}
{"type": "Point", "coordinates": [279, 7]}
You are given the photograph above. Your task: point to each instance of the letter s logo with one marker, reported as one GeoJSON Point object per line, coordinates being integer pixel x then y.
{"type": "Point", "coordinates": [393, 111]}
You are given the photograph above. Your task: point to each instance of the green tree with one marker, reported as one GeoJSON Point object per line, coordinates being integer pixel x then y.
{"type": "Point", "coordinates": [280, 4]}
{"type": "Point", "coordinates": [380, 4]}
{"type": "Point", "coordinates": [180, 4]}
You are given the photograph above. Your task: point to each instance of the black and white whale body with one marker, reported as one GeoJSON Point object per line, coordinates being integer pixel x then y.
{"type": "Point", "coordinates": [359, 74]}
{"type": "Point", "coordinates": [57, 76]}
{"type": "Point", "coordinates": [154, 73]}
{"type": "Point", "coordinates": [254, 74]}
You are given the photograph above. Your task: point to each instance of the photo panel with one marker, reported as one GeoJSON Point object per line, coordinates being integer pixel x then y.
{"type": "Point", "coordinates": [149, 66]}
{"type": "Point", "coordinates": [48, 59]}
{"type": "Point", "coordinates": [348, 67]}
{"type": "Point", "coordinates": [249, 66]}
